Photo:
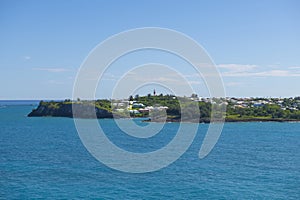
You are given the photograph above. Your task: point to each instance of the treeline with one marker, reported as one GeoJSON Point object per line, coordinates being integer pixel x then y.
{"type": "Point", "coordinates": [265, 112]}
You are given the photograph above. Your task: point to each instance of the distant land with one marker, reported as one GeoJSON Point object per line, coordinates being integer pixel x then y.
{"type": "Point", "coordinates": [158, 108]}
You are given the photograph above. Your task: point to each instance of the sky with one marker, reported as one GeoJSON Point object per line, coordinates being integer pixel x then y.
{"type": "Point", "coordinates": [254, 44]}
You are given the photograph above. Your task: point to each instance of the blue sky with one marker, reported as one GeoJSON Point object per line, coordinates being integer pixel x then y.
{"type": "Point", "coordinates": [255, 44]}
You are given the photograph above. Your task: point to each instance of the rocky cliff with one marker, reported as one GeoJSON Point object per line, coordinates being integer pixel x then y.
{"type": "Point", "coordinates": [66, 110]}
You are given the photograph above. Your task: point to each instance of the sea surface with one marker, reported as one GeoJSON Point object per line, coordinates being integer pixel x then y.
{"type": "Point", "coordinates": [43, 157]}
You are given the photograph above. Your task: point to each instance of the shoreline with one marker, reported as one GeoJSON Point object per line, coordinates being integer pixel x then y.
{"type": "Point", "coordinates": [104, 109]}
{"type": "Point", "coordinates": [178, 120]}
{"type": "Point", "coordinates": [207, 121]}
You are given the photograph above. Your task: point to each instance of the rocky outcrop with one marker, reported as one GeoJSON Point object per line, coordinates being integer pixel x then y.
{"type": "Point", "coordinates": [66, 110]}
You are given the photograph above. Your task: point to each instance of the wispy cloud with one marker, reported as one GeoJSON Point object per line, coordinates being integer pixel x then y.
{"type": "Point", "coordinates": [195, 82]}
{"type": "Point", "coordinates": [54, 70]}
{"type": "Point", "coordinates": [225, 70]}
{"type": "Point", "coordinates": [26, 57]}
{"type": "Point", "coordinates": [294, 67]}
{"type": "Point", "coordinates": [269, 73]}
{"type": "Point", "coordinates": [236, 70]}
{"type": "Point", "coordinates": [278, 73]}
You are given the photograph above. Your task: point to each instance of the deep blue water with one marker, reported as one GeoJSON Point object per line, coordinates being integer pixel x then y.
{"type": "Point", "coordinates": [44, 158]}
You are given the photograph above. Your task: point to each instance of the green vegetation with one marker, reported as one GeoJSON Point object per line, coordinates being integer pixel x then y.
{"type": "Point", "coordinates": [247, 109]}
{"type": "Point", "coordinates": [283, 110]}
{"type": "Point", "coordinates": [101, 104]}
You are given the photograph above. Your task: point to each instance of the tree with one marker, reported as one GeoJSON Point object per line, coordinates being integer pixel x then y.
{"type": "Point", "coordinates": [130, 98]}
{"type": "Point", "coordinates": [194, 95]}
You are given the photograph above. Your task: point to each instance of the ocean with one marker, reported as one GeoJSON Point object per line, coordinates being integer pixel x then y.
{"type": "Point", "coordinates": [43, 157]}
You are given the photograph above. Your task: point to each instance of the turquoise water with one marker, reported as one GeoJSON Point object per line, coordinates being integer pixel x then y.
{"type": "Point", "coordinates": [44, 158]}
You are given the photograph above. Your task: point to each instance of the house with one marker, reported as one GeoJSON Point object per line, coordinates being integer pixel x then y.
{"type": "Point", "coordinates": [138, 105]}
{"type": "Point", "coordinates": [134, 111]}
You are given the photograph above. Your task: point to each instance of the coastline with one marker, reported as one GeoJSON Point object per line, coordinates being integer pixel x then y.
{"type": "Point", "coordinates": [165, 109]}
{"type": "Point", "coordinates": [168, 119]}
{"type": "Point", "coordinates": [207, 121]}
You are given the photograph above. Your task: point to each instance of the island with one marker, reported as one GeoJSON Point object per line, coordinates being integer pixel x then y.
{"type": "Point", "coordinates": [158, 108]}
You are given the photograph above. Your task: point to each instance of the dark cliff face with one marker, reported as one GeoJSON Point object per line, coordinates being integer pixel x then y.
{"type": "Point", "coordinates": [65, 110]}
